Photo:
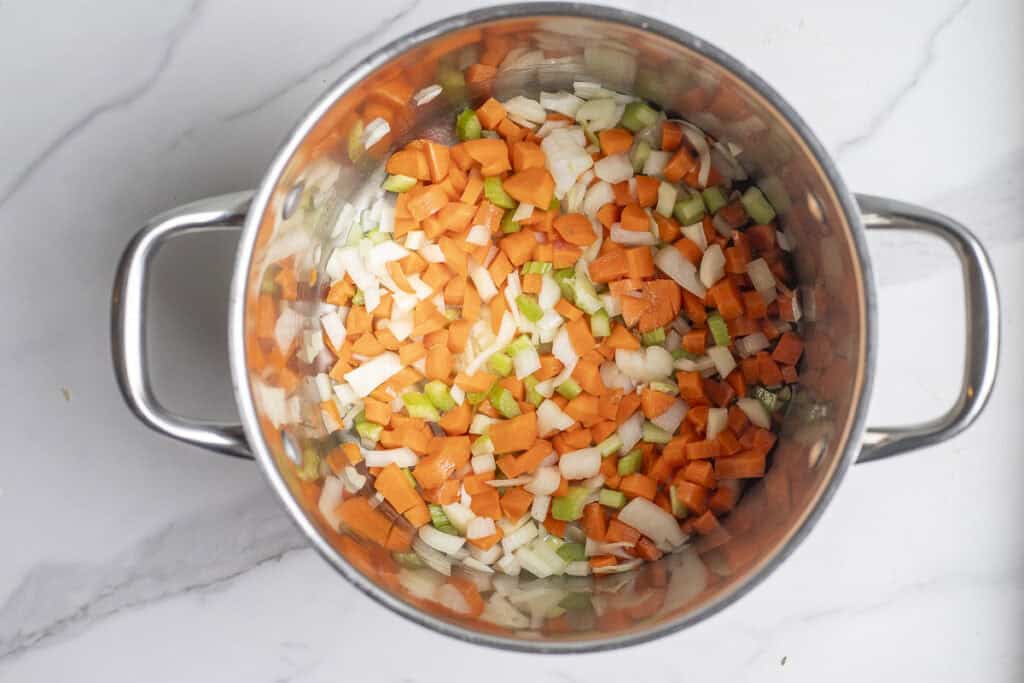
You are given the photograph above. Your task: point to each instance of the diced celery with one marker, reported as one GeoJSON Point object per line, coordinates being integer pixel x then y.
{"type": "Point", "coordinates": [504, 402]}
{"type": "Point", "coordinates": [409, 478]}
{"type": "Point", "coordinates": [689, 209]}
{"type": "Point", "coordinates": [440, 520]}
{"type": "Point", "coordinates": [475, 397]}
{"type": "Point", "coordinates": [369, 430]}
{"type": "Point", "coordinates": [555, 205]}
{"type": "Point", "coordinates": [654, 337]}
{"type": "Point", "coordinates": [610, 445]}
{"type": "Point", "coordinates": [360, 417]}
{"type": "Point", "coordinates": [569, 507]}
{"type": "Point", "coordinates": [599, 325]}
{"type": "Point", "coordinates": [652, 433]}
{"type": "Point", "coordinates": [518, 345]}
{"type": "Point", "coordinates": [611, 499]}
{"type": "Point", "coordinates": [419, 406]}
{"type": "Point", "coordinates": [500, 364]}
{"type": "Point", "coordinates": [572, 552]}
{"type": "Point", "coordinates": [529, 307]}
{"type": "Point", "coordinates": [638, 115]}
{"type": "Point", "coordinates": [754, 201]}
{"type": "Point", "coordinates": [585, 295]}
{"type": "Point", "coordinates": [495, 193]}
{"type": "Point", "coordinates": [310, 469]}
{"type": "Point", "coordinates": [719, 330]}
{"type": "Point", "coordinates": [569, 389]}
{"type": "Point", "coordinates": [398, 183]}
{"type": "Point", "coordinates": [565, 278]}
{"type": "Point", "coordinates": [536, 267]}
{"type": "Point", "coordinates": [630, 462]}
{"type": "Point", "coordinates": [683, 353]}
{"type": "Point", "coordinates": [639, 154]}
{"type": "Point", "coordinates": [482, 446]}
{"type": "Point", "coordinates": [767, 398]}
{"type": "Point", "coordinates": [714, 198]}
{"type": "Point", "coordinates": [378, 237]}
{"type": "Point", "coordinates": [358, 299]}
{"type": "Point", "coordinates": [678, 509]}
{"type": "Point", "coordinates": [467, 125]}
{"type": "Point", "coordinates": [509, 226]}
{"type": "Point", "coordinates": [438, 393]}
{"type": "Point", "coordinates": [664, 387]}
{"type": "Point", "coordinates": [591, 136]}
{"type": "Point", "coordinates": [532, 395]}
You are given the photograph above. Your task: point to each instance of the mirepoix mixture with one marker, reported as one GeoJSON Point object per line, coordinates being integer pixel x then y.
{"type": "Point", "coordinates": [558, 346]}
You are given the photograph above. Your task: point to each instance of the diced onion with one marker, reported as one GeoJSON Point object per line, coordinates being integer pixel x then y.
{"type": "Point", "coordinates": [480, 527]}
{"type": "Point", "coordinates": [545, 481]}
{"type": "Point", "coordinates": [518, 538]}
{"type": "Point", "coordinates": [402, 457]}
{"type": "Point", "coordinates": [598, 114]}
{"type": "Point", "coordinates": [645, 365]}
{"type": "Point", "coordinates": [751, 344]}
{"type": "Point", "coordinates": [482, 463]}
{"type": "Point", "coordinates": [673, 417]}
{"type": "Point", "coordinates": [761, 275]}
{"type": "Point", "coordinates": [561, 102]}
{"type": "Point", "coordinates": [652, 521]}
{"type": "Point", "coordinates": [551, 419]}
{"type": "Point", "coordinates": [539, 507]}
{"type": "Point", "coordinates": [373, 373]}
{"type": "Point", "coordinates": [718, 419]}
{"type": "Point", "coordinates": [482, 281]}
{"type": "Point", "coordinates": [334, 327]}
{"type": "Point", "coordinates": [695, 233]}
{"type": "Point", "coordinates": [755, 412]}
{"type": "Point", "coordinates": [614, 169]}
{"type": "Point", "coordinates": [723, 360]}
{"type": "Point", "coordinates": [633, 238]}
{"type": "Point", "coordinates": [526, 362]}
{"type": "Point", "coordinates": [525, 108]}
{"type": "Point", "coordinates": [631, 430]}
{"type": "Point", "coordinates": [580, 464]}
{"type": "Point", "coordinates": [479, 235]}
{"type": "Point", "coordinates": [598, 194]}
{"type": "Point", "coordinates": [672, 263]}
{"type": "Point", "coordinates": [666, 199]}
{"type": "Point", "coordinates": [330, 499]}
{"type": "Point", "coordinates": [442, 542]}
{"type": "Point", "coordinates": [656, 162]}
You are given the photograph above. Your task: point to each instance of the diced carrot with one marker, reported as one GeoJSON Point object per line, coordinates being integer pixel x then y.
{"type": "Point", "coordinates": [723, 499]}
{"type": "Point", "coordinates": [511, 132]}
{"type": "Point", "coordinates": [500, 268]}
{"type": "Point", "coordinates": [409, 162]}
{"type": "Point", "coordinates": [726, 296]}
{"type": "Point", "coordinates": [497, 307]}
{"type": "Point", "coordinates": [575, 228]}
{"type": "Point", "coordinates": [754, 305]}
{"type": "Point", "coordinates": [549, 367]}
{"type": "Point", "coordinates": [531, 186]}
{"type": "Point", "coordinates": [608, 214]}
{"type": "Point", "coordinates": [455, 291]}
{"type": "Point", "coordinates": [638, 485]}
{"type": "Point", "coordinates": [762, 237]}
{"type": "Point", "coordinates": [693, 496]}
{"type": "Point", "coordinates": [487, 542]}
{"type": "Point", "coordinates": [518, 246]}
{"type": "Point", "coordinates": [470, 304]}
{"type": "Point", "coordinates": [582, 408]}
{"type": "Point", "coordinates": [615, 141]}
{"type": "Point", "coordinates": [788, 349]}
{"type": "Point", "coordinates": [474, 187]}
{"type": "Point", "coordinates": [567, 310]}
{"type": "Point", "coordinates": [622, 193]}
{"type": "Point", "coordinates": [700, 472]}
{"type": "Point", "coordinates": [703, 449]}
{"type": "Point", "coordinates": [367, 345]}
{"type": "Point", "coordinates": [690, 250]}
{"type": "Point", "coordinates": [647, 190]}
{"type": "Point", "coordinates": [491, 154]}
{"type": "Point", "coordinates": [580, 335]}
{"type": "Point", "coordinates": [364, 520]}
{"type": "Point", "coordinates": [599, 561]}
{"type": "Point", "coordinates": [588, 374]}
{"type": "Point", "coordinates": [728, 442]}
{"type": "Point", "coordinates": [681, 163]}
{"type": "Point", "coordinates": [747, 465]}
{"type": "Point", "coordinates": [439, 363]}
{"type": "Point", "coordinates": [425, 201]}
{"type": "Point", "coordinates": [622, 338]}
{"type": "Point", "coordinates": [655, 403]}
{"type": "Point", "coordinates": [646, 550]}
{"type": "Point", "coordinates": [768, 370]}
{"type": "Point", "coordinates": [526, 155]}
{"type": "Point", "coordinates": [629, 404]}
{"type": "Point", "coordinates": [640, 263]}
{"type": "Point", "coordinates": [396, 488]}
{"type": "Point", "coordinates": [529, 461]}
{"type": "Point", "coordinates": [555, 527]}
{"type": "Point", "coordinates": [671, 136]}
{"type": "Point", "coordinates": [487, 503]}
{"type": "Point", "coordinates": [516, 434]}
{"type": "Point", "coordinates": [460, 155]}
{"type": "Point", "coordinates": [454, 257]}
{"type": "Point", "coordinates": [565, 255]}
{"type": "Point", "coordinates": [490, 113]}
{"type": "Point", "coordinates": [698, 415]}
{"type": "Point", "coordinates": [480, 382]}
{"type": "Point", "coordinates": [620, 532]}
{"type": "Point", "coordinates": [634, 218]}
{"type": "Point", "coordinates": [516, 502]}
{"type": "Point", "coordinates": [377, 411]}
{"type": "Point", "coordinates": [594, 524]}
{"type": "Point", "coordinates": [358, 320]}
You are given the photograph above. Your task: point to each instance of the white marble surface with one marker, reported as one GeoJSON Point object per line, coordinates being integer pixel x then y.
{"type": "Point", "coordinates": [130, 557]}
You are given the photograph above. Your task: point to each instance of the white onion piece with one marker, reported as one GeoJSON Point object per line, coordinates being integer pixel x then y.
{"type": "Point", "coordinates": [551, 419]}
{"type": "Point", "coordinates": [712, 265]}
{"type": "Point", "coordinates": [672, 263]}
{"type": "Point", "coordinates": [330, 499]}
{"type": "Point", "coordinates": [539, 507]}
{"type": "Point", "coordinates": [751, 344]}
{"type": "Point", "coordinates": [480, 527]}
{"type": "Point", "coordinates": [614, 378]}
{"type": "Point", "coordinates": [614, 169]}
{"type": "Point", "coordinates": [695, 233]}
{"type": "Point", "coordinates": [518, 538]}
{"type": "Point", "coordinates": [508, 483]}
{"type": "Point", "coordinates": [550, 293]}
{"type": "Point", "coordinates": [656, 162]}
{"type": "Point", "coordinates": [487, 557]}
{"type": "Point", "coordinates": [718, 419]}
{"type": "Point", "coordinates": [598, 194]}
{"type": "Point", "coordinates": [652, 521]}
{"type": "Point", "coordinates": [561, 102]}
{"type": "Point", "coordinates": [598, 114]}
{"type": "Point", "coordinates": [545, 481]}
{"type": "Point", "coordinates": [525, 108]}
{"type": "Point", "coordinates": [549, 126]}
{"type": "Point", "coordinates": [402, 457]}
{"type": "Point", "coordinates": [581, 464]}
{"type": "Point", "coordinates": [631, 430]}
{"type": "Point", "coordinates": [666, 199]}
{"type": "Point", "coordinates": [761, 275]}
{"type": "Point", "coordinates": [482, 463]}
{"type": "Point", "coordinates": [526, 362]}
{"type": "Point", "coordinates": [645, 365]}
{"type": "Point", "coordinates": [755, 412]}
{"type": "Point", "coordinates": [563, 350]}
{"type": "Point", "coordinates": [633, 238]}
{"type": "Point", "coordinates": [504, 338]}
{"type": "Point", "coordinates": [480, 423]}
{"type": "Point", "coordinates": [509, 565]}
{"type": "Point", "coordinates": [373, 373]}
{"type": "Point", "coordinates": [440, 541]}
{"type": "Point", "coordinates": [482, 281]}
{"type": "Point", "coordinates": [673, 417]}
{"type": "Point", "coordinates": [479, 235]}
{"type": "Point", "coordinates": [721, 225]}
{"type": "Point", "coordinates": [334, 327]}
{"type": "Point", "coordinates": [431, 557]}
{"type": "Point", "coordinates": [723, 360]}
{"type": "Point", "coordinates": [566, 158]}
{"type": "Point", "coordinates": [696, 138]}
{"type": "Point", "coordinates": [459, 515]}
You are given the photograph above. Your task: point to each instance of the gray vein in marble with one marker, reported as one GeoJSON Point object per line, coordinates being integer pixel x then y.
{"type": "Point", "coordinates": [296, 81]}
{"type": "Point", "coordinates": [203, 552]}
{"type": "Point", "coordinates": [917, 75]}
{"type": "Point", "coordinates": [119, 102]}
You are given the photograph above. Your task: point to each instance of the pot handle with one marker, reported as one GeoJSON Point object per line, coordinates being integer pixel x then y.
{"type": "Point", "coordinates": [128, 328]}
{"type": "Point", "coordinates": [981, 349]}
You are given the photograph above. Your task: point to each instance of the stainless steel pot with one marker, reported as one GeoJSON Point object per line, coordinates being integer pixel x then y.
{"type": "Point", "coordinates": [556, 43]}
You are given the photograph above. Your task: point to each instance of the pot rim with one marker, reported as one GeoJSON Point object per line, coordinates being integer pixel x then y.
{"type": "Point", "coordinates": [854, 427]}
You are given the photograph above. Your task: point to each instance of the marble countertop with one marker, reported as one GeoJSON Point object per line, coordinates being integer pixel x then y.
{"type": "Point", "coordinates": [131, 557]}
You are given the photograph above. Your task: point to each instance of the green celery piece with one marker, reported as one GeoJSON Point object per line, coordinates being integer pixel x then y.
{"type": "Point", "coordinates": [572, 552]}
{"type": "Point", "coordinates": [358, 299]}
{"type": "Point", "coordinates": [665, 387]}
{"type": "Point", "coordinates": [639, 154]}
{"type": "Point", "coordinates": [475, 397]}
{"type": "Point", "coordinates": [409, 478]}
{"type": "Point", "coordinates": [638, 115]}
{"type": "Point", "coordinates": [369, 430]}
{"type": "Point", "coordinates": [495, 193]}
{"type": "Point", "coordinates": [518, 345]}
{"type": "Point", "coordinates": [569, 508]}
{"type": "Point", "coordinates": [482, 446]}
{"type": "Point", "coordinates": [437, 393]}
{"type": "Point", "coordinates": [719, 330]}
{"type": "Point", "coordinates": [611, 499]}
{"type": "Point", "coordinates": [654, 337]}
{"type": "Point", "coordinates": [555, 205]}
{"type": "Point", "coordinates": [630, 462]}
{"type": "Point", "coordinates": [504, 402]}
{"type": "Point", "coordinates": [714, 198]}
{"type": "Point", "coordinates": [569, 389]}
{"type": "Point", "coordinates": [610, 445]}
{"type": "Point", "coordinates": [529, 307]}
{"type": "Point", "coordinates": [398, 183]}
{"type": "Point", "coordinates": [652, 433]}
{"type": "Point", "coordinates": [500, 364]}
{"type": "Point", "coordinates": [467, 125]}
{"type": "Point", "coordinates": [599, 324]}
{"type": "Point", "coordinates": [757, 205]}
{"type": "Point", "coordinates": [536, 267]}
{"type": "Point", "coordinates": [419, 406]}
{"type": "Point", "coordinates": [591, 136]}
{"type": "Point", "coordinates": [565, 278]}
{"type": "Point", "coordinates": [678, 509]}
{"type": "Point", "coordinates": [532, 395]}
{"type": "Point", "coordinates": [585, 295]}
{"type": "Point", "coordinates": [509, 226]}
{"type": "Point", "coordinates": [767, 398]}
{"type": "Point", "coordinates": [440, 521]}
{"type": "Point", "coordinates": [310, 469]}
{"type": "Point", "coordinates": [683, 353]}
{"type": "Point", "coordinates": [689, 209]}
{"type": "Point", "coordinates": [361, 417]}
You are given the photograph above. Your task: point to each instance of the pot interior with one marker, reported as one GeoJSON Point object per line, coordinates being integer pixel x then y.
{"type": "Point", "coordinates": [325, 170]}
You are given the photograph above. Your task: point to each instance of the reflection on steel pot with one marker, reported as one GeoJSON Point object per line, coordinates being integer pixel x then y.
{"type": "Point", "coordinates": [318, 190]}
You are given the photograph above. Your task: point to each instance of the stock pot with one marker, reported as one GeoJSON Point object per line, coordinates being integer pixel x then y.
{"type": "Point", "coordinates": [556, 43]}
